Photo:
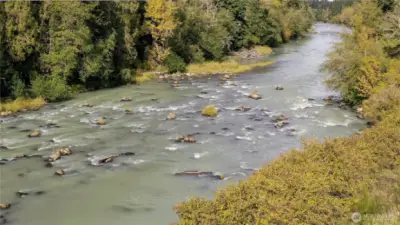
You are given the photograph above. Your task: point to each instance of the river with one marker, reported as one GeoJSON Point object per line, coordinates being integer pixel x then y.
{"type": "Point", "coordinates": [142, 189]}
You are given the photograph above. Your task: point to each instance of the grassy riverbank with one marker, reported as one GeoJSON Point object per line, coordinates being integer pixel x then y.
{"type": "Point", "coordinates": [21, 105]}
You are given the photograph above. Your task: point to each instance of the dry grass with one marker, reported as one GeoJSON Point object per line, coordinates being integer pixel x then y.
{"type": "Point", "coordinates": [22, 105]}
{"type": "Point", "coordinates": [230, 66]}
{"type": "Point", "coordinates": [145, 77]}
{"type": "Point", "coordinates": [263, 50]}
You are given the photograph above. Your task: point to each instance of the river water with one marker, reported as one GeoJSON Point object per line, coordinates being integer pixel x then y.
{"type": "Point", "coordinates": [142, 189]}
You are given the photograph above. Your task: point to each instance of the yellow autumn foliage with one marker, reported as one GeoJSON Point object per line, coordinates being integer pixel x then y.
{"type": "Point", "coordinates": [162, 24]}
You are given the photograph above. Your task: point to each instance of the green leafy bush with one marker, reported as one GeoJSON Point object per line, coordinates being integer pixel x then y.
{"type": "Point", "coordinates": [51, 88]}
{"type": "Point", "coordinates": [174, 63]}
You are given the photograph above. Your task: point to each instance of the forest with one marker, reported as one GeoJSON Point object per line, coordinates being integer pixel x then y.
{"type": "Point", "coordinates": [53, 49]}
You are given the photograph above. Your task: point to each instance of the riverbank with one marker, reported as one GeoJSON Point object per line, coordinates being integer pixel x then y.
{"type": "Point", "coordinates": [20, 105]}
{"type": "Point", "coordinates": [232, 66]}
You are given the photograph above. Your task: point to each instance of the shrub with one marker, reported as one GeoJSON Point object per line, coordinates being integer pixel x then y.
{"type": "Point", "coordinates": [51, 88]}
{"type": "Point", "coordinates": [209, 111]}
{"type": "Point", "coordinates": [382, 104]}
{"type": "Point", "coordinates": [174, 63]}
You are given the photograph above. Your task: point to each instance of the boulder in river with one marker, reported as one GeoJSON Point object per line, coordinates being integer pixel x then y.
{"type": "Point", "coordinates": [243, 108]}
{"type": "Point", "coordinates": [171, 116]}
{"type": "Point", "coordinates": [55, 156]}
{"type": "Point", "coordinates": [19, 156]}
{"type": "Point", "coordinates": [210, 111]}
{"type": "Point", "coordinates": [125, 99]}
{"type": "Point", "coordinates": [254, 95]}
{"type": "Point", "coordinates": [35, 133]}
{"type": "Point", "coordinates": [279, 87]}
{"type": "Point", "coordinates": [5, 205]}
{"type": "Point", "coordinates": [65, 151]}
{"type": "Point", "coordinates": [49, 164]}
{"type": "Point", "coordinates": [186, 139]}
{"type": "Point", "coordinates": [128, 111]}
{"type": "Point", "coordinates": [59, 172]}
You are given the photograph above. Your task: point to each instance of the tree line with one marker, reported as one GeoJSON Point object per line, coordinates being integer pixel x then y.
{"type": "Point", "coordinates": [56, 48]}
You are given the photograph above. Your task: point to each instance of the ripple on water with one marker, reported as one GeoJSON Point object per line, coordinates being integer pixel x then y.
{"type": "Point", "coordinates": [303, 103]}
{"type": "Point", "coordinates": [247, 138]}
{"type": "Point", "coordinates": [199, 155]}
{"type": "Point", "coordinates": [332, 123]}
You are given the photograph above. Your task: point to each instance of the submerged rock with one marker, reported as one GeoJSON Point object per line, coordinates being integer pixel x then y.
{"type": "Point", "coordinates": [86, 105]}
{"type": "Point", "coordinates": [3, 148]}
{"type": "Point", "coordinates": [280, 118]}
{"type": "Point", "coordinates": [281, 124]}
{"type": "Point", "coordinates": [111, 158]}
{"type": "Point", "coordinates": [279, 87]}
{"type": "Point", "coordinates": [126, 154]}
{"type": "Point", "coordinates": [51, 125]}
{"type": "Point", "coordinates": [35, 133]}
{"type": "Point", "coordinates": [107, 159]}
{"type": "Point", "coordinates": [125, 99]}
{"type": "Point", "coordinates": [49, 164]}
{"type": "Point", "coordinates": [200, 173]}
{"type": "Point", "coordinates": [171, 116]}
{"type": "Point", "coordinates": [26, 192]}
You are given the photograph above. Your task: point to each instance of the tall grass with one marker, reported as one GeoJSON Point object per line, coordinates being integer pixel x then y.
{"type": "Point", "coordinates": [22, 104]}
